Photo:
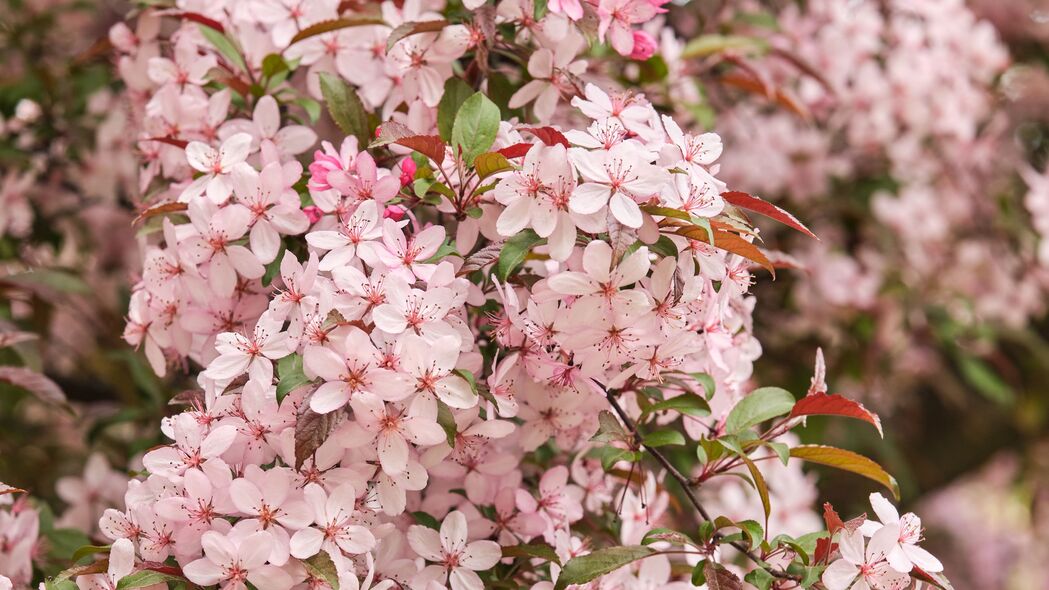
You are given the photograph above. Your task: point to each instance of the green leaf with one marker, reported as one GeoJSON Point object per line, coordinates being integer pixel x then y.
{"type": "Point", "coordinates": [781, 450]}
{"type": "Point", "coordinates": [986, 382]}
{"type": "Point", "coordinates": [225, 46]}
{"type": "Point", "coordinates": [664, 246]}
{"type": "Point", "coordinates": [144, 578]}
{"type": "Point", "coordinates": [65, 542]}
{"type": "Point", "coordinates": [536, 549]}
{"type": "Point", "coordinates": [291, 374]}
{"type": "Point", "coordinates": [759, 578]}
{"type": "Point", "coordinates": [762, 404]}
{"type": "Point", "coordinates": [762, 487]}
{"type": "Point", "coordinates": [688, 404]}
{"type": "Point", "coordinates": [273, 64]}
{"type": "Point", "coordinates": [609, 429]}
{"type": "Point", "coordinates": [490, 163]}
{"type": "Point", "coordinates": [426, 520]}
{"type": "Point", "coordinates": [48, 280]}
{"type": "Point", "coordinates": [345, 107]}
{"type": "Point", "coordinates": [513, 253]}
{"type": "Point", "coordinates": [719, 578]}
{"type": "Point", "coordinates": [414, 28]}
{"type": "Point", "coordinates": [87, 550]}
{"type": "Point", "coordinates": [312, 108]}
{"type": "Point", "coordinates": [709, 387]}
{"type": "Point", "coordinates": [705, 45]}
{"type": "Point", "coordinates": [582, 569]}
{"type": "Point", "coordinates": [668, 535]}
{"type": "Point", "coordinates": [456, 91]}
{"type": "Point", "coordinates": [476, 125]}
{"type": "Point", "coordinates": [847, 461]}
{"type": "Point", "coordinates": [662, 438]}
{"type": "Point", "coordinates": [321, 566]}
{"type": "Point", "coordinates": [447, 422]}
{"type": "Point", "coordinates": [273, 268]}
{"type": "Point", "coordinates": [540, 9]}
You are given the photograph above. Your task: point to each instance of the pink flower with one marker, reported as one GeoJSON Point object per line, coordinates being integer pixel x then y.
{"type": "Point", "coordinates": [216, 166]}
{"type": "Point", "coordinates": [408, 169]}
{"type": "Point", "coordinates": [121, 563]}
{"type": "Point", "coordinates": [860, 569]}
{"type": "Point", "coordinates": [193, 448]}
{"type": "Point", "coordinates": [367, 184]}
{"type": "Point", "coordinates": [264, 127]}
{"type": "Point", "coordinates": [325, 163]}
{"type": "Point", "coordinates": [431, 364]}
{"type": "Point", "coordinates": [254, 354]}
{"type": "Point", "coordinates": [573, 9]}
{"type": "Point", "coordinates": [352, 369]}
{"type": "Point", "coordinates": [617, 178]}
{"type": "Point", "coordinates": [342, 245]}
{"type": "Point", "coordinates": [617, 17]}
{"type": "Point", "coordinates": [602, 280]}
{"type": "Point", "coordinates": [395, 427]}
{"type": "Point", "coordinates": [335, 529]}
{"type": "Point", "coordinates": [559, 502]}
{"type": "Point", "coordinates": [274, 207]}
{"type": "Point", "coordinates": [217, 229]}
{"type": "Point", "coordinates": [906, 532]}
{"type": "Point", "coordinates": [236, 558]}
{"type": "Point", "coordinates": [456, 560]}
{"type": "Point", "coordinates": [405, 256]}
{"type": "Point", "coordinates": [645, 46]}
{"type": "Point", "coordinates": [412, 309]}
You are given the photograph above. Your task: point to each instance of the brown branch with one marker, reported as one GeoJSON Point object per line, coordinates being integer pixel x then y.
{"type": "Point", "coordinates": [684, 483]}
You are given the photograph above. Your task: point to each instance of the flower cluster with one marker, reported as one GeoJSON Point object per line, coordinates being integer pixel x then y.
{"type": "Point", "coordinates": [19, 531]}
{"type": "Point", "coordinates": [449, 348]}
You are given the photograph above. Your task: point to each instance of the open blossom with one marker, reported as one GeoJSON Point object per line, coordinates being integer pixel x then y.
{"type": "Point", "coordinates": [216, 166]}
{"type": "Point", "coordinates": [862, 568]}
{"type": "Point", "coordinates": [356, 370]}
{"type": "Point", "coordinates": [252, 354]}
{"type": "Point", "coordinates": [618, 177]}
{"type": "Point", "coordinates": [394, 427]}
{"type": "Point", "coordinates": [454, 558]}
{"type": "Point", "coordinates": [121, 563]}
{"type": "Point", "coordinates": [906, 531]}
{"type": "Point", "coordinates": [335, 530]}
{"type": "Point", "coordinates": [234, 559]}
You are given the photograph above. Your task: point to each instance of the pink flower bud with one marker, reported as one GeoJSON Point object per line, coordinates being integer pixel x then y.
{"type": "Point", "coordinates": [407, 171]}
{"type": "Point", "coordinates": [313, 212]}
{"type": "Point", "coordinates": [394, 212]}
{"type": "Point", "coordinates": [644, 46]}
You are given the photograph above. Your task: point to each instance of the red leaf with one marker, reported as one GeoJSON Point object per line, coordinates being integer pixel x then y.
{"type": "Point", "coordinates": [162, 209]}
{"type": "Point", "coordinates": [753, 84]}
{"type": "Point", "coordinates": [518, 150]}
{"type": "Point", "coordinates": [763, 207]}
{"type": "Point", "coordinates": [36, 383]}
{"type": "Point", "coordinates": [207, 22]}
{"type": "Point", "coordinates": [6, 489]}
{"type": "Point", "coordinates": [824, 547]}
{"type": "Point", "coordinates": [430, 146]}
{"type": "Point", "coordinates": [179, 143]}
{"type": "Point", "coordinates": [830, 516]}
{"type": "Point", "coordinates": [729, 242]}
{"type": "Point", "coordinates": [549, 135]}
{"type": "Point", "coordinates": [822, 404]}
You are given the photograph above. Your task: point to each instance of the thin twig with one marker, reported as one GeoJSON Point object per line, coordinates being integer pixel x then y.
{"type": "Point", "coordinates": [684, 483]}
